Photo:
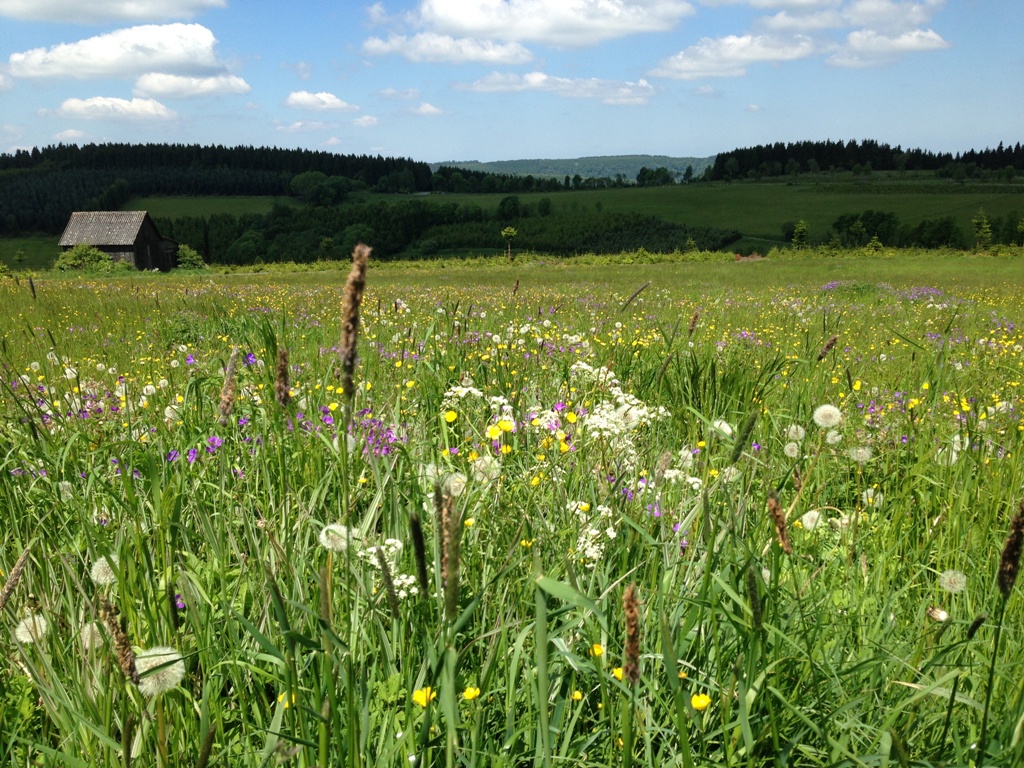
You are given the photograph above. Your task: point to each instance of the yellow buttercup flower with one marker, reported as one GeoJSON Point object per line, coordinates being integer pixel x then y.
{"type": "Point", "coordinates": [450, 416]}
{"type": "Point", "coordinates": [617, 673]}
{"type": "Point", "coordinates": [470, 693]}
{"type": "Point", "coordinates": [700, 701]}
{"type": "Point", "coordinates": [424, 696]}
{"type": "Point", "coordinates": [596, 650]}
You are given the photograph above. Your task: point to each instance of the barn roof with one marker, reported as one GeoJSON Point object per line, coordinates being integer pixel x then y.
{"type": "Point", "coordinates": [103, 228]}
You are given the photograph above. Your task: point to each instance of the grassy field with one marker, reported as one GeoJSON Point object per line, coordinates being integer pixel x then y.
{"type": "Point", "coordinates": [33, 253]}
{"type": "Point", "coordinates": [741, 514]}
{"type": "Point", "coordinates": [178, 207]}
{"type": "Point", "coordinates": [760, 210]}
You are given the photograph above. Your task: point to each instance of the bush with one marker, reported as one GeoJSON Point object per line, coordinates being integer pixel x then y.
{"type": "Point", "coordinates": [189, 258]}
{"type": "Point", "coordinates": [86, 258]}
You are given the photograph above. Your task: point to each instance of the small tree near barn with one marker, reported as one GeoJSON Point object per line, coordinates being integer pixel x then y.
{"type": "Point", "coordinates": [509, 233]}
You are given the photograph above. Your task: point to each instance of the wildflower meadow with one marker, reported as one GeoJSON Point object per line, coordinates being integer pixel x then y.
{"type": "Point", "coordinates": [652, 515]}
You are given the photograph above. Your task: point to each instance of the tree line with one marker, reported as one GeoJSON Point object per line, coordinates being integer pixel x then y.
{"type": "Point", "coordinates": [779, 159]}
{"type": "Point", "coordinates": [423, 228]}
{"type": "Point", "coordinates": [884, 228]}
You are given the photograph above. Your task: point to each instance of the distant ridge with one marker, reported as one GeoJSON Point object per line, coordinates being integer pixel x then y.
{"type": "Point", "coordinates": [587, 167]}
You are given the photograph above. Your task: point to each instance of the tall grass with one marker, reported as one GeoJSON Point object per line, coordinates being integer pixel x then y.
{"type": "Point", "coordinates": [437, 575]}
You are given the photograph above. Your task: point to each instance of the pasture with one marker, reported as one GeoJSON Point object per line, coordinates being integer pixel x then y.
{"type": "Point", "coordinates": [655, 515]}
{"type": "Point", "coordinates": [759, 210]}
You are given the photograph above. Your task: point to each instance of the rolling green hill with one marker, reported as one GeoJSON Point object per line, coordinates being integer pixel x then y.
{"type": "Point", "coordinates": [588, 167]}
{"type": "Point", "coordinates": [759, 210]}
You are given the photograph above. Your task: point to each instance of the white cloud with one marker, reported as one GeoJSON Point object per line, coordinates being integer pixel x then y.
{"type": "Point", "coordinates": [334, 141]}
{"type": "Point", "coordinates": [366, 121]}
{"type": "Point", "coordinates": [753, 107]}
{"type": "Point", "coordinates": [890, 15]}
{"type": "Point", "coordinates": [555, 22]}
{"type": "Point", "coordinates": [105, 10]}
{"type": "Point", "coordinates": [302, 69]}
{"type": "Point", "coordinates": [303, 126]}
{"type": "Point", "coordinates": [376, 14]}
{"type": "Point", "coordinates": [784, 21]}
{"type": "Point", "coordinates": [5, 82]}
{"type": "Point", "coordinates": [173, 48]}
{"type": "Point", "coordinates": [432, 47]}
{"type": "Point", "coordinates": [731, 55]}
{"type": "Point", "coordinates": [70, 136]}
{"type": "Point", "coordinates": [867, 47]}
{"type": "Point", "coordinates": [408, 95]}
{"type": "Point", "coordinates": [319, 102]}
{"type": "Point", "coordinates": [183, 86]}
{"type": "Point", "coordinates": [607, 91]}
{"type": "Point", "coordinates": [109, 108]}
{"type": "Point", "coordinates": [426, 109]}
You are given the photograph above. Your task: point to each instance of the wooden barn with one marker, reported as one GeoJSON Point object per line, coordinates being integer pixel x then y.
{"type": "Point", "coordinates": [129, 236]}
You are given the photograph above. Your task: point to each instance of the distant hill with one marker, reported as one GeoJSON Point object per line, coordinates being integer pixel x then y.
{"type": "Point", "coordinates": [587, 167]}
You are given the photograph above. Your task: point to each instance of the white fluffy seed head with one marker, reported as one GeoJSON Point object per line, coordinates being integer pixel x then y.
{"type": "Point", "coordinates": [827, 416]}
{"type": "Point", "coordinates": [160, 668]}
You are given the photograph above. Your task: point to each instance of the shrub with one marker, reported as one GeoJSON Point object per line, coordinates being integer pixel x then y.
{"type": "Point", "coordinates": [84, 257]}
{"type": "Point", "coordinates": [190, 258]}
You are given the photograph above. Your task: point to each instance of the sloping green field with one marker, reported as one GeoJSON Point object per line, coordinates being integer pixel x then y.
{"type": "Point", "coordinates": [760, 210]}
{"type": "Point", "coordinates": [177, 207]}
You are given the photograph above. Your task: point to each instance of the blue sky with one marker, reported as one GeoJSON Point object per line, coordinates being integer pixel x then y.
{"type": "Point", "coordinates": [486, 80]}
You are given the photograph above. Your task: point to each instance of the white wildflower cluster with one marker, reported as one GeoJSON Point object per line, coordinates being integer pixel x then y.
{"type": "Point", "coordinates": [391, 549]}
{"type": "Point", "coordinates": [680, 476]}
{"type": "Point", "coordinates": [456, 394]}
{"type": "Point", "coordinates": [587, 374]}
{"type": "Point", "coordinates": [596, 531]}
{"type": "Point", "coordinates": [501, 408]}
{"type": "Point", "coordinates": [621, 416]}
{"type": "Point", "coordinates": [548, 420]}
{"type": "Point", "coordinates": [405, 585]}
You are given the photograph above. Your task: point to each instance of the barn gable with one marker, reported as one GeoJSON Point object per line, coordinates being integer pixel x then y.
{"type": "Point", "coordinates": [129, 236]}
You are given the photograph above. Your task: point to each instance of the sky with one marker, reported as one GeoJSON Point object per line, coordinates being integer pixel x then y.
{"type": "Point", "coordinates": [437, 80]}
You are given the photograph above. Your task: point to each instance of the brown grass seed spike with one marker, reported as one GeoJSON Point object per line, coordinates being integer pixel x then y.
{"type": "Point", "coordinates": [353, 297]}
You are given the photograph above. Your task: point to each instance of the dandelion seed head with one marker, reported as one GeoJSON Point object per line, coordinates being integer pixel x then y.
{"type": "Point", "coordinates": [336, 537]}
{"type": "Point", "coordinates": [861, 454]}
{"type": "Point", "coordinates": [32, 629]}
{"type": "Point", "coordinates": [160, 668]}
{"type": "Point", "coordinates": [103, 571]}
{"type": "Point", "coordinates": [953, 581]}
{"type": "Point", "coordinates": [792, 449]}
{"type": "Point", "coordinates": [92, 636]}
{"type": "Point", "coordinates": [795, 433]}
{"type": "Point", "coordinates": [827, 416]}
{"type": "Point", "coordinates": [873, 498]}
{"type": "Point", "coordinates": [810, 520]}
